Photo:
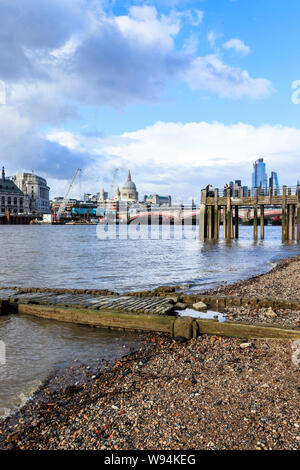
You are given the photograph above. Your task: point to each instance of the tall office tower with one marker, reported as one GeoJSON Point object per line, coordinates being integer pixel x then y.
{"type": "Point", "coordinates": [259, 175]}
{"type": "Point", "coordinates": [273, 182]}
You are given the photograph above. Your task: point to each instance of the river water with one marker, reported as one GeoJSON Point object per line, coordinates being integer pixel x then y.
{"type": "Point", "coordinates": [73, 256]}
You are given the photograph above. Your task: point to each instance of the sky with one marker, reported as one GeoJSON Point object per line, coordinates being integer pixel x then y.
{"type": "Point", "coordinates": [182, 93]}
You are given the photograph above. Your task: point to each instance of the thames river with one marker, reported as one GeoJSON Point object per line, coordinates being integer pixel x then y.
{"type": "Point", "coordinates": [73, 256]}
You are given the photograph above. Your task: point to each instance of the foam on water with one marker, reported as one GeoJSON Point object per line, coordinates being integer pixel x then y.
{"type": "Point", "coordinates": [20, 399]}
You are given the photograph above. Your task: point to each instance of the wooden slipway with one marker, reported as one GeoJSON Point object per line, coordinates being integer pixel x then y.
{"type": "Point", "coordinates": [155, 314]}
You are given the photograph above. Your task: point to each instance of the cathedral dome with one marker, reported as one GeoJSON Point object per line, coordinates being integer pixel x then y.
{"type": "Point", "coordinates": [129, 184]}
{"type": "Point", "coordinates": [129, 192]}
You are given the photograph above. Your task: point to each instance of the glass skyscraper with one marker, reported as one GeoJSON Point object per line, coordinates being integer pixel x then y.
{"type": "Point", "coordinates": [259, 175]}
{"type": "Point", "coordinates": [273, 182]}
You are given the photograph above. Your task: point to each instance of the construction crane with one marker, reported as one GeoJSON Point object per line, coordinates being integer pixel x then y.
{"type": "Point", "coordinates": [113, 183]}
{"type": "Point", "coordinates": [62, 207]}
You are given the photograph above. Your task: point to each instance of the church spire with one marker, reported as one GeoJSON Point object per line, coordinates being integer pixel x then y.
{"type": "Point", "coordinates": [129, 176]}
{"type": "Point", "coordinates": [3, 174]}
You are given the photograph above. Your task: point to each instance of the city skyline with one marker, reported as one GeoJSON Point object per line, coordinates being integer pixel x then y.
{"type": "Point", "coordinates": [259, 178]}
{"type": "Point", "coordinates": [164, 88]}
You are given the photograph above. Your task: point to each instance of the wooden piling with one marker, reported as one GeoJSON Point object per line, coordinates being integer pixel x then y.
{"type": "Point", "coordinates": [214, 208]}
{"type": "Point", "coordinates": [224, 223]}
{"type": "Point", "coordinates": [202, 217]}
{"type": "Point", "coordinates": [216, 215]}
{"type": "Point", "coordinates": [293, 221]}
{"type": "Point", "coordinates": [229, 216]}
{"type": "Point", "coordinates": [262, 222]}
{"type": "Point", "coordinates": [255, 223]}
{"type": "Point", "coordinates": [209, 222]}
{"type": "Point", "coordinates": [255, 214]}
{"type": "Point", "coordinates": [236, 221]}
{"type": "Point", "coordinates": [283, 217]}
{"type": "Point", "coordinates": [290, 222]}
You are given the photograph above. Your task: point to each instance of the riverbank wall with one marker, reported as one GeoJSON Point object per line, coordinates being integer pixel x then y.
{"type": "Point", "coordinates": [158, 313]}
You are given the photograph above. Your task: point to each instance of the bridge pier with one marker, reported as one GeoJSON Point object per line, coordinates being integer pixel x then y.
{"type": "Point", "coordinates": [216, 215]}
{"type": "Point", "coordinates": [262, 222]}
{"type": "Point", "coordinates": [224, 223]}
{"type": "Point", "coordinates": [215, 208]}
{"type": "Point", "coordinates": [236, 221]}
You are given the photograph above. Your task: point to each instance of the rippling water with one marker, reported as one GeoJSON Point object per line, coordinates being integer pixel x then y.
{"type": "Point", "coordinates": [36, 347]}
{"type": "Point", "coordinates": [74, 257]}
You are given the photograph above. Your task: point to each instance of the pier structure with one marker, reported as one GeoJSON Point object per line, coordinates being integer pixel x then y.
{"type": "Point", "coordinates": [223, 207]}
{"type": "Point", "coordinates": [10, 219]}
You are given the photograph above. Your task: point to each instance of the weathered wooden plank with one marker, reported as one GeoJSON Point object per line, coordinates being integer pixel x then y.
{"type": "Point", "coordinates": [105, 319]}
{"type": "Point", "coordinates": [244, 330]}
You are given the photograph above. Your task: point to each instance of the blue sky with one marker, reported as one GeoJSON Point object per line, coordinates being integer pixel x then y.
{"type": "Point", "coordinates": [198, 89]}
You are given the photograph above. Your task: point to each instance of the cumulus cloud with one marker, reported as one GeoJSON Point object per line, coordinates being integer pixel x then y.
{"type": "Point", "coordinates": [32, 26]}
{"type": "Point", "coordinates": [238, 46]}
{"type": "Point", "coordinates": [210, 73]}
{"type": "Point", "coordinates": [143, 24]}
{"type": "Point", "coordinates": [23, 147]}
{"type": "Point", "coordinates": [97, 59]}
{"type": "Point", "coordinates": [57, 56]}
{"type": "Point", "coordinates": [78, 54]}
{"type": "Point", "coordinates": [180, 159]}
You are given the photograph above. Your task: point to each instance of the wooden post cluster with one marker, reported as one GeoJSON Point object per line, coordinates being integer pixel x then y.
{"type": "Point", "coordinates": [290, 215]}
{"type": "Point", "coordinates": [216, 209]}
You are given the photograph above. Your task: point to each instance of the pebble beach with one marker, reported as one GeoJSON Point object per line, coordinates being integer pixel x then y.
{"type": "Point", "coordinates": [207, 393]}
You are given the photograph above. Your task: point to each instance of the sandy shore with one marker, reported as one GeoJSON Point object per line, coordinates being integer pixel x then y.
{"type": "Point", "coordinates": [208, 393]}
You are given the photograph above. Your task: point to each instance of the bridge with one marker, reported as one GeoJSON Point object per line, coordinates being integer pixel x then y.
{"type": "Point", "coordinates": [189, 215]}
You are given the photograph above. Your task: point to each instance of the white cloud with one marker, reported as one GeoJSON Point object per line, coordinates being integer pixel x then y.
{"type": "Point", "coordinates": [210, 73]}
{"type": "Point", "coordinates": [238, 46]}
{"type": "Point", "coordinates": [63, 58]}
{"type": "Point", "coordinates": [212, 38]}
{"type": "Point", "coordinates": [179, 159]}
{"type": "Point", "coordinates": [143, 24]}
{"type": "Point", "coordinates": [194, 17]}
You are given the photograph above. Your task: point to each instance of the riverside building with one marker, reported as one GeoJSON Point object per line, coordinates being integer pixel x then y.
{"type": "Point", "coordinates": [36, 190]}
{"type": "Point", "coordinates": [12, 199]}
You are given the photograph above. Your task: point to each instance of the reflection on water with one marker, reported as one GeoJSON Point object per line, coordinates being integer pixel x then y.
{"type": "Point", "coordinates": [72, 256]}
{"type": "Point", "coordinates": [207, 315]}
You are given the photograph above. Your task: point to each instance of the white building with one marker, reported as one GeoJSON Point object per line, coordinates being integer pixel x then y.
{"type": "Point", "coordinates": [128, 194]}
{"type": "Point", "coordinates": [35, 188]}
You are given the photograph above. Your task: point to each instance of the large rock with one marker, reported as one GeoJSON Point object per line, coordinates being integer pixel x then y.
{"type": "Point", "coordinates": [200, 306]}
{"type": "Point", "coordinates": [180, 306]}
{"type": "Point", "coordinates": [270, 313]}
